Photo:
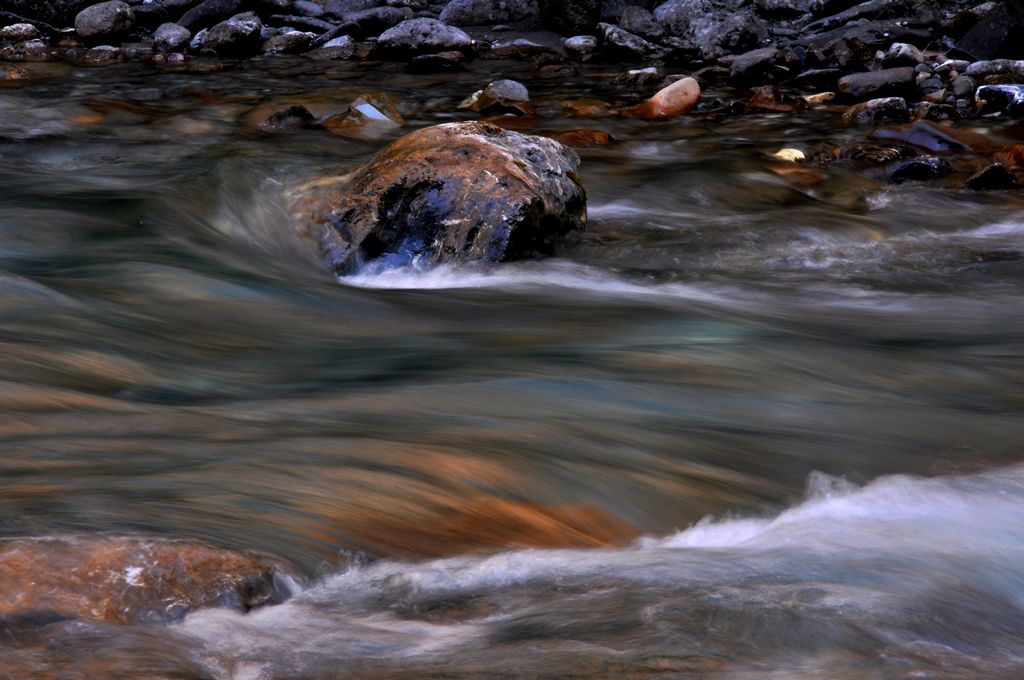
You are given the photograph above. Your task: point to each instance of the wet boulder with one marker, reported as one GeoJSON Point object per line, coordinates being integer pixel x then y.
{"type": "Point", "coordinates": [209, 12]}
{"type": "Point", "coordinates": [171, 37]}
{"type": "Point", "coordinates": [1005, 99]}
{"type": "Point", "coordinates": [451, 192]}
{"type": "Point", "coordinates": [131, 580]}
{"type": "Point", "coordinates": [421, 36]}
{"type": "Point", "coordinates": [480, 12]}
{"type": "Point", "coordinates": [918, 169]}
{"type": "Point", "coordinates": [104, 20]}
{"type": "Point", "coordinates": [239, 36]}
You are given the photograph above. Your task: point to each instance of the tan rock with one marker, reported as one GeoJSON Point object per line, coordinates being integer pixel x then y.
{"type": "Point", "coordinates": [674, 100]}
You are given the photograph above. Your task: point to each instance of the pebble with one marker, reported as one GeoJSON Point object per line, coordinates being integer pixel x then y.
{"type": "Point", "coordinates": [789, 155]}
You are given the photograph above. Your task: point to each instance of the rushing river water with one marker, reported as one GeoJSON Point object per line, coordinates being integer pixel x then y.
{"type": "Point", "coordinates": [746, 426]}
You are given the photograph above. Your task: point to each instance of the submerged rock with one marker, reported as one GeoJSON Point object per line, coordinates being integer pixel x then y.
{"type": "Point", "coordinates": [918, 169]}
{"type": "Point", "coordinates": [992, 178]}
{"type": "Point", "coordinates": [452, 192]}
{"type": "Point", "coordinates": [131, 580]}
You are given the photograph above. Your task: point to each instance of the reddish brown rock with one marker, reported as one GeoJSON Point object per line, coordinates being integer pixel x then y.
{"type": "Point", "coordinates": [674, 100]}
{"type": "Point", "coordinates": [452, 192]}
{"type": "Point", "coordinates": [130, 580]}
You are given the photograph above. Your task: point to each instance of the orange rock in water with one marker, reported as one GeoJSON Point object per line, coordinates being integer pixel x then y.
{"type": "Point", "coordinates": [583, 137]}
{"type": "Point", "coordinates": [129, 580]}
{"type": "Point", "coordinates": [489, 523]}
{"type": "Point", "coordinates": [674, 100]}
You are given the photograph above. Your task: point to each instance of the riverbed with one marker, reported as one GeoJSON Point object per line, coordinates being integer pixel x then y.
{"type": "Point", "coordinates": [748, 424]}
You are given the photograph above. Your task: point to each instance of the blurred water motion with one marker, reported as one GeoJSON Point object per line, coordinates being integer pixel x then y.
{"type": "Point", "coordinates": [458, 463]}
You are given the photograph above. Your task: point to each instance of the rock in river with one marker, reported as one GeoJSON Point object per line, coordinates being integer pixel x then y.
{"type": "Point", "coordinates": [104, 20]}
{"type": "Point", "coordinates": [451, 192]}
{"type": "Point", "coordinates": [130, 580]}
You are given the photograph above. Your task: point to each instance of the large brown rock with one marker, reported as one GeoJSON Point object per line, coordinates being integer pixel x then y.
{"type": "Point", "coordinates": [452, 192]}
{"type": "Point", "coordinates": [130, 580]}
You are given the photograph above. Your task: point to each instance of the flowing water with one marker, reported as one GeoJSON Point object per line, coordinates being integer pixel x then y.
{"type": "Point", "coordinates": [749, 425]}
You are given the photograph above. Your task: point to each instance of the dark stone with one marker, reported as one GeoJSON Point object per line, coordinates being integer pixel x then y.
{"type": "Point", "coordinates": [285, 120]}
{"type": "Point", "coordinates": [918, 169]}
{"type": "Point", "coordinates": [520, 49]}
{"type": "Point", "coordinates": [442, 62]}
{"type": "Point", "coordinates": [421, 36]}
{"type": "Point", "coordinates": [452, 192]}
{"type": "Point", "coordinates": [373, 21]}
{"type": "Point", "coordinates": [894, 82]}
{"type": "Point", "coordinates": [1005, 99]}
{"type": "Point", "coordinates": [999, 33]}
{"type": "Point", "coordinates": [992, 178]}
{"type": "Point", "coordinates": [291, 42]}
{"type": "Point", "coordinates": [339, 8]}
{"type": "Point", "coordinates": [782, 9]}
{"type": "Point", "coordinates": [171, 37]}
{"type": "Point", "coordinates": [752, 66]}
{"type": "Point", "coordinates": [570, 17]}
{"type": "Point", "coordinates": [625, 45]}
{"type": "Point", "coordinates": [57, 13]}
{"type": "Point", "coordinates": [875, 111]}
{"type": "Point", "coordinates": [150, 16]}
{"type": "Point", "coordinates": [208, 13]}
{"type": "Point", "coordinates": [311, 24]}
{"type": "Point", "coordinates": [307, 8]}
{"type": "Point", "coordinates": [104, 20]}
{"type": "Point", "coordinates": [712, 27]}
{"type": "Point", "coordinates": [489, 12]}
{"type": "Point", "coordinates": [239, 36]}
{"type": "Point", "coordinates": [639, 21]}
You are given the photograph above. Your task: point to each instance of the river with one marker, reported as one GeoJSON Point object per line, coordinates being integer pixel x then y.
{"type": "Point", "coordinates": [745, 426]}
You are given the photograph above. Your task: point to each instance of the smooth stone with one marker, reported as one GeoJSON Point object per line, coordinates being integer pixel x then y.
{"type": "Point", "coordinates": [994, 177]}
{"type": "Point", "coordinates": [964, 87]}
{"type": "Point", "coordinates": [673, 100]}
{"type": "Point", "coordinates": [581, 46]}
{"type": "Point", "coordinates": [105, 19]}
{"type": "Point", "coordinates": [994, 67]}
{"type": "Point", "coordinates": [419, 36]}
{"type": "Point", "coordinates": [452, 192]}
{"type": "Point", "coordinates": [209, 12]}
{"type": "Point", "coordinates": [887, 82]}
{"type": "Point", "coordinates": [171, 37]}
{"type": "Point", "coordinates": [500, 96]}
{"type": "Point", "coordinates": [753, 65]}
{"type": "Point", "coordinates": [441, 62]}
